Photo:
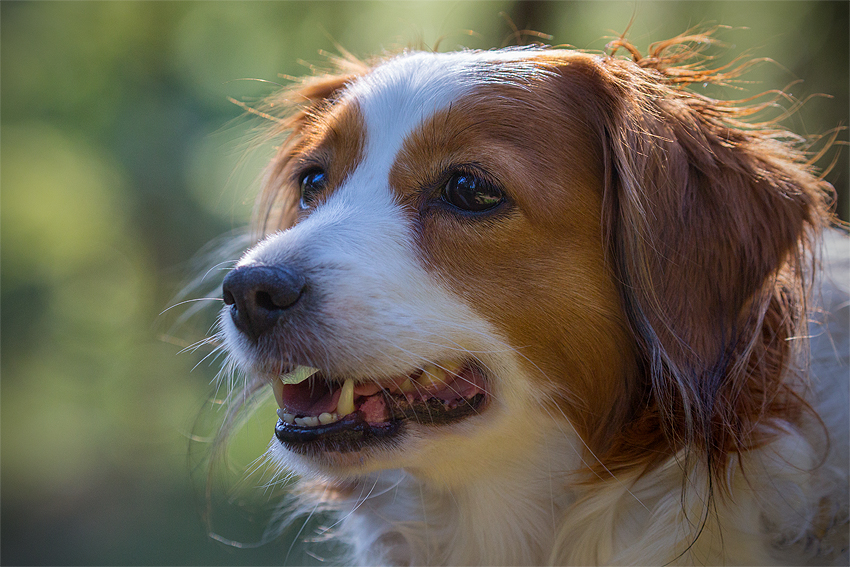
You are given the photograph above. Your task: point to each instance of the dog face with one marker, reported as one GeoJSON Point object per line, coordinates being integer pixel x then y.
{"type": "Point", "coordinates": [482, 251]}
{"type": "Point", "coordinates": [446, 259]}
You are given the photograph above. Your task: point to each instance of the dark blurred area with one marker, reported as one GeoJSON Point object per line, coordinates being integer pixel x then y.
{"type": "Point", "coordinates": [122, 157]}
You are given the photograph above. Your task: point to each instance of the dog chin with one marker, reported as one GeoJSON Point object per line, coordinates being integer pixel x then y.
{"type": "Point", "coordinates": [334, 465]}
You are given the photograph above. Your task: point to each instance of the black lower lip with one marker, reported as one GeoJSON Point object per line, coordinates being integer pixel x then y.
{"type": "Point", "coordinates": [350, 433]}
{"type": "Point", "coordinates": [353, 433]}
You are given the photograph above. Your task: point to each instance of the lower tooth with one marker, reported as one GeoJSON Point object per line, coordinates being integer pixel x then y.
{"type": "Point", "coordinates": [286, 417]}
{"type": "Point", "coordinates": [327, 418]}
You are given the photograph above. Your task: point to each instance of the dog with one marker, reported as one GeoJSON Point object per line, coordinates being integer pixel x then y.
{"type": "Point", "coordinates": [541, 306]}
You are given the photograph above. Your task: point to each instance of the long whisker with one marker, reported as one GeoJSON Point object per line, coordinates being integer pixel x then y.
{"type": "Point", "coordinates": [187, 301]}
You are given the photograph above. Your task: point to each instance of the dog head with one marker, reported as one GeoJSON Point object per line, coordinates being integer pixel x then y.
{"type": "Point", "coordinates": [476, 251]}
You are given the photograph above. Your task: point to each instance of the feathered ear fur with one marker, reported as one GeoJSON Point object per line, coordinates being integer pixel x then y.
{"type": "Point", "coordinates": [292, 110]}
{"type": "Point", "coordinates": [709, 221]}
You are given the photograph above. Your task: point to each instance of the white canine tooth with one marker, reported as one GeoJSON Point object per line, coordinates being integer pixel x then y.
{"type": "Point", "coordinates": [286, 417]}
{"type": "Point", "coordinates": [311, 421]}
{"type": "Point", "coordinates": [326, 418]}
{"type": "Point", "coordinates": [300, 421]}
{"type": "Point", "coordinates": [432, 377]}
{"type": "Point", "coordinates": [345, 405]}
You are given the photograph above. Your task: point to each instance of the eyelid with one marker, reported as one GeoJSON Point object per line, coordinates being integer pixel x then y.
{"type": "Point", "coordinates": [304, 166]}
{"type": "Point", "coordinates": [309, 171]}
{"type": "Point", "coordinates": [473, 170]}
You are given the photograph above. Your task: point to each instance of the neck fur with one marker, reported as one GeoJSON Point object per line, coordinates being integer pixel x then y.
{"type": "Point", "coordinates": [505, 515]}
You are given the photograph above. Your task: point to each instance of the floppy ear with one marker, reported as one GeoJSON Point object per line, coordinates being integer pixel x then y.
{"type": "Point", "coordinates": [708, 222]}
{"type": "Point", "coordinates": [277, 204]}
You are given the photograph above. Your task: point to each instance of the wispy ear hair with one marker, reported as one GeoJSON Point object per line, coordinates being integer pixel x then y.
{"type": "Point", "coordinates": [710, 218]}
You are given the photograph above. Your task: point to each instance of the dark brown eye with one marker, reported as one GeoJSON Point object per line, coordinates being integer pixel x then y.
{"type": "Point", "coordinates": [471, 193]}
{"type": "Point", "coordinates": [312, 182]}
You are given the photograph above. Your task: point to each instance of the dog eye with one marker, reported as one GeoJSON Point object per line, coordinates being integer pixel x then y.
{"type": "Point", "coordinates": [471, 193]}
{"type": "Point", "coordinates": [312, 182]}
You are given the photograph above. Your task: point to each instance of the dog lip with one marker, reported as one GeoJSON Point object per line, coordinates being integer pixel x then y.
{"type": "Point", "coordinates": [433, 412]}
{"type": "Point", "coordinates": [350, 433]}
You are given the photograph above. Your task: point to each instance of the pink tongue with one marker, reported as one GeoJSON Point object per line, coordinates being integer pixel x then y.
{"type": "Point", "coordinates": [310, 398]}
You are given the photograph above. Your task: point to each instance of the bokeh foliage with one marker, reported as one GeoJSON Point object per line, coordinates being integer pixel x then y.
{"type": "Point", "coordinates": [121, 156]}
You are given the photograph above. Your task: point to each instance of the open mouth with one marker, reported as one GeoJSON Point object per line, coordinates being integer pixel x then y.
{"type": "Point", "coordinates": [323, 413]}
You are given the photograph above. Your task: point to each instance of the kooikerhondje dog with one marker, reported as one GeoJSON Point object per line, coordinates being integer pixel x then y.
{"type": "Point", "coordinates": [550, 307]}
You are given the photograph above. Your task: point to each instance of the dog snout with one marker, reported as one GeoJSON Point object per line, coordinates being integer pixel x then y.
{"type": "Point", "coordinates": [259, 296]}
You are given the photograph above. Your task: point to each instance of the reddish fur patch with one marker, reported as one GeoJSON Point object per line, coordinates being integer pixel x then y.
{"type": "Point", "coordinates": [537, 269]}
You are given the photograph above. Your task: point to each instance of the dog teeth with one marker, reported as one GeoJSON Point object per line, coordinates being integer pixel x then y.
{"type": "Point", "coordinates": [434, 377]}
{"type": "Point", "coordinates": [308, 421]}
{"type": "Point", "coordinates": [327, 418]}
{"type": "Point", "coordinates": [345, 405]}
{"type": "Point", "coordinates": [286, 417]}
{"type": "Point", "coordinates": [407, 386]}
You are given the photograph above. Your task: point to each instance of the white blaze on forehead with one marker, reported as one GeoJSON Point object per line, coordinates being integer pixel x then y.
{"type": "Point", "coordinates": [399, 95]}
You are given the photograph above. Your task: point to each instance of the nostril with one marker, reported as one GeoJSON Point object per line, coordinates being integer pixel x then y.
{"type": "Point", "coordinates": [258, 296]}
{"type": "Point", "coordinates": [266, 301]}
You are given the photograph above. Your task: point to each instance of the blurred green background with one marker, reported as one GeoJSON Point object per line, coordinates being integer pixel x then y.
{"type": "Point", "coordinates": [121, 157]}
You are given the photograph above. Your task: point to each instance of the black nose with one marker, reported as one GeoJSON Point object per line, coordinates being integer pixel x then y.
{"type": "Point", "coordinates": [258, 296]}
